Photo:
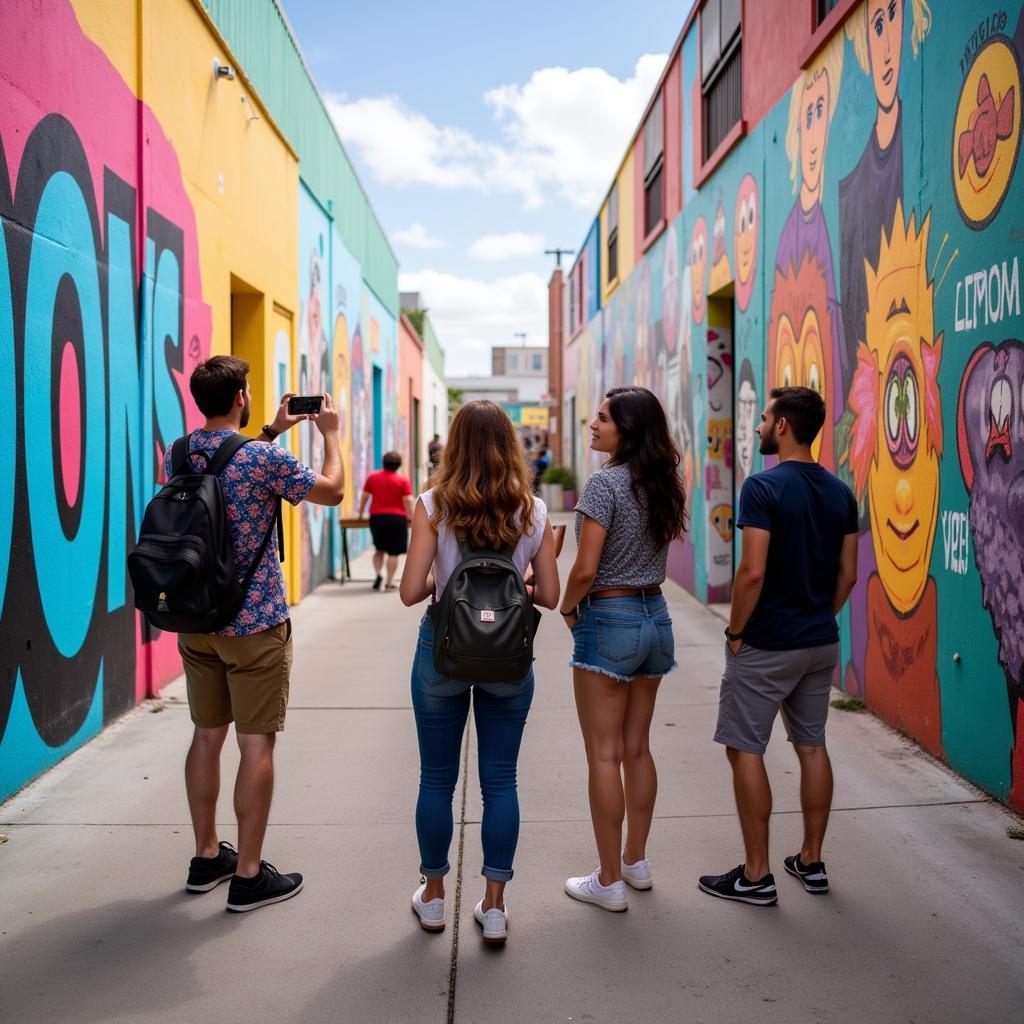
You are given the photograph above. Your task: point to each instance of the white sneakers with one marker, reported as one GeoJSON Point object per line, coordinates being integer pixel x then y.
{"type": "Point", "coordinates": [431, 913]}
{"type": "Point", "coordinates": [494, 922]}
{"type": "Point", "coordinates": [588, 889]}
{"type": "Point", "coordinates": [637, 875]}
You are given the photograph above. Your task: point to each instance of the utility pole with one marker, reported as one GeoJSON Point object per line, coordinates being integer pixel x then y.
{"type": "Point", "coordinates": [558, 254]}
{"type": "Point", "coordinates": [521, 335]}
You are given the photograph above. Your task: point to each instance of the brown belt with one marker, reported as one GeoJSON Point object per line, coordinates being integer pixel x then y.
{"type": "Point", "coordinates": [600, 595]}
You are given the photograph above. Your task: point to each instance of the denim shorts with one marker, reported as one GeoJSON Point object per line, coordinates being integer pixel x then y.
{"type": "Point", "coordinates": [624, 637]}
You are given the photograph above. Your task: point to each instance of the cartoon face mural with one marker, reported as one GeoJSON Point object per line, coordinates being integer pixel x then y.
{"type": "Point", "coordinates": [721, 519]}
{"type": "Point", "coordinates": [698, 267]}
{"type": "Point", "coordinates": [744, 242]}
{"type": "Point", "coordinates": [986, 132]}
{"type": "Point", "coordinates": [721, 273]}
{"type": "Point", "coordinates": [990, 436]}
{"type": "Point", "coordinates": [897, 434]}
{"type": "Point", "coordinates": [747, 417]}
{"type": "Point", "coordinates": [799, 351]}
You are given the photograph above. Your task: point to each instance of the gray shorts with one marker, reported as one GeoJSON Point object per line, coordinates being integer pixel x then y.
{"type": "Point", "coordinates": [757, 683]}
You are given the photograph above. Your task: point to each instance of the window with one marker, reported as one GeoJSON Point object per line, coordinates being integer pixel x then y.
{"type": "Point", "coordinates": [654, 166]}
{"type": "Point", "coordinates": [825, 8]}
{"type": "Point", "coordinates": [720, 66]}
{"type": "Point", "coordinates": [613, 233]}
{"type": "Point", "coordinates": [538, 362]}
{"type": "Point", "coordinates": [513, 361]}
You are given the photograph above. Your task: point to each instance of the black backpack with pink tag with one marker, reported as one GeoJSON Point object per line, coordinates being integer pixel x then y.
{"type": "Point", "coordinates": [183, 566]}
{"type": "Point", "coordinates": [485, 620]}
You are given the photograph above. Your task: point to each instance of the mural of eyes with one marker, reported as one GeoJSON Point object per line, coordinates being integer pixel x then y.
{"type": "Point", "coordinates": [902, 412]}
{"type": "Point", "coordinates": [785, 376]}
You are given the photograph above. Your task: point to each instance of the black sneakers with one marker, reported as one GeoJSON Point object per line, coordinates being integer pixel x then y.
{"type": "Point", "coordinates": [734, 885]}
{"type": "Point", "coordinates": [813, 876]}
{"type": "Point", "coordinates": [269, 886]}
{"type": "Point", "coordinates": [206, 873]}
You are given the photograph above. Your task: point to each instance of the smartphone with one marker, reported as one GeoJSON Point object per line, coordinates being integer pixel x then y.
{"type": "Point", "coordinates": [304, 405]}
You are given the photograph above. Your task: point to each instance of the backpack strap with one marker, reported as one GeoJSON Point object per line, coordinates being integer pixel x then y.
{"type": "Point", "coordinates": [179, 454]}
{"type": "Point", "coordinates": [225, 452]}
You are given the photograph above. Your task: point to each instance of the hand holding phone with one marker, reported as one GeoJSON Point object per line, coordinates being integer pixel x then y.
{"type": "Point", "coordinates": [304, 405]}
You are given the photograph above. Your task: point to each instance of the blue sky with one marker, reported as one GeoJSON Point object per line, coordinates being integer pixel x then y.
{"type": "Point", "coordinates": [484, 133]}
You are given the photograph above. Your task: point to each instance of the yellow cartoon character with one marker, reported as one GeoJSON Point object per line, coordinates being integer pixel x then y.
{"type": "Point", "coordinates": [721, 272]}
{"type": "Point", "coordinates": [897, 432]}
{"type": "Point", "coordinates": [698, 266]}
{"type": "Point", "coordinates": [721, 519]}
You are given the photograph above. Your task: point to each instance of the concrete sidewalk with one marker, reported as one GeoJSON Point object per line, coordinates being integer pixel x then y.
{"type": "Point", "coordinates": [925, 922]}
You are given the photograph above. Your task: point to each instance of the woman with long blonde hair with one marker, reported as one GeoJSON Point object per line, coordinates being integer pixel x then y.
{"type": "Point", "coordinates": [482, 493]}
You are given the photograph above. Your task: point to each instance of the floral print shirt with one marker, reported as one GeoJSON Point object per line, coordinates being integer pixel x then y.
{"type": "Point", "coordinates": [252, 481]}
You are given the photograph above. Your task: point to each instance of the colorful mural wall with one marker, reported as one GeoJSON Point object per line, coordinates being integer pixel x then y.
{"type": "Point", "coordinates": [129, 250]}
{"type": "Point", "coordinates": [862, 239]}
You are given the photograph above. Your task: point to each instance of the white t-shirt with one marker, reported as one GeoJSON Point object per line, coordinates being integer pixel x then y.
{"type": "Point", "coordinates": [448, 554]}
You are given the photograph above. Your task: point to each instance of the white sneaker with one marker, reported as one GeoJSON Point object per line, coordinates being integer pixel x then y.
{"type": "Point", "coordinates": [589, 890]}
{"type": "Point", "coordinates": [637, 875]}
{"type": "Point", "coordinates": [431, 913]}
{"type": "Point", "coordinates": [493, 921]}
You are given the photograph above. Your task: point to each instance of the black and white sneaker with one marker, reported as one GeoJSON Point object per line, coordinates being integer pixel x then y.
{"type": "Point", "coordinates": [734, 885]}
{"type": "Point", "coordinates": [206, 873]}
{"type": "Point", "coordinates": [269, 886]}
{"type": "Point", "coordinates": [813, 876]}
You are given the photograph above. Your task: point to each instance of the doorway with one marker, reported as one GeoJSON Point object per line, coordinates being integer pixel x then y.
{"type": "Point", "coordinates": [719, 474]}
{"type": "Point", "coordinates": [378, 417]}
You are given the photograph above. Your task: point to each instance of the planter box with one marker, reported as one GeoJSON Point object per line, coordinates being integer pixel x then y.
{"type": "Point", "coordinates": [552, 496]}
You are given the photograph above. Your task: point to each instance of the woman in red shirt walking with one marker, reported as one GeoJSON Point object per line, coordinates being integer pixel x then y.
{"type": "Point", "coordinates": [390, 497]}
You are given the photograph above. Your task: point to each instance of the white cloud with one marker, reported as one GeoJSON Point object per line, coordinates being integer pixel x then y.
{"type": "Point", "coordinates": [572, 127]}
{"type": "Point", "coordinates": [513, 245]}
{"type": "Point", "coordinates": [564, 132]}
{"type": "Point", "coordinates": [418, 237]}
{"type": "Point", "coordinates": [470, 314]}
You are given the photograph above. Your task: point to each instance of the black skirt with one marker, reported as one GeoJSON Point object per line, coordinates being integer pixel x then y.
{"type": "Point", "coordinates": [390, 534]}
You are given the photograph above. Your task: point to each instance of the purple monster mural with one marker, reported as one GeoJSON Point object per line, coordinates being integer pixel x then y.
{"type": "Point", "coordinates": [990, 436]}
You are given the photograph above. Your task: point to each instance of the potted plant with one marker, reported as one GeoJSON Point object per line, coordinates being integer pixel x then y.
{"type": "Point", "coordinates": [554, 481]}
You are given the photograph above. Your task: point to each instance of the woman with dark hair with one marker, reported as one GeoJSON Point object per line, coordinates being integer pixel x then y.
{"type": "Point", "coordinates": [482, 494]}
{"type": "Point", "coordinates": [628, 515]}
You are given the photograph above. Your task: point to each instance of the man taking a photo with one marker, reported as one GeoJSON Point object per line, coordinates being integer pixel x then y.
{"type": "Point", "coordinates": [797, 568]}
{"type": "Point", "coordinates": [241, 673]}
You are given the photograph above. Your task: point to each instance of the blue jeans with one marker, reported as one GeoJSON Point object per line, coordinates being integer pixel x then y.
{"type": "Point", "coordinates": [624, 637]}
{"type": "Point", "coordinates": [441, 706]}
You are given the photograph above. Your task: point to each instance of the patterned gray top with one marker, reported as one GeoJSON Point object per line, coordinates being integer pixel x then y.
{"type": "Point", "coordinates": [628, 559]}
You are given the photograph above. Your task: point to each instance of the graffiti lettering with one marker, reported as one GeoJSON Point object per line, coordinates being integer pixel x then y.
{"type": "Point", "coordinates": [96, 346]}
{"type": "Point", "coordinates": [955, 539]}
{"type": "Point", "coordinates": [995, 293]}
{"type": "Point", "coordinates": [990, 26]}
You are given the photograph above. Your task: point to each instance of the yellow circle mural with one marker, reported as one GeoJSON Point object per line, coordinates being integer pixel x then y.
{"type": "Point", "coordinates": [986, 132]}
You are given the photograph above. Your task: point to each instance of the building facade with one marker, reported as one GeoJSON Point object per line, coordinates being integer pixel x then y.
{"type": "Point", "coordinates": [160, 204]}
{"type": "Point", "coordinates": [837, 204]}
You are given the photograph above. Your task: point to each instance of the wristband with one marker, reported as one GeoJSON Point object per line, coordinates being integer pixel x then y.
{"type": "Point", "coordinates": [569, 615]}
{"type": "Point", "coordinates": [270, 431]}
{"type": "Point", "coordinates": [733, 636]}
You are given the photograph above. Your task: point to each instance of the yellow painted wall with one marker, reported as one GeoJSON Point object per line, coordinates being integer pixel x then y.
{"type": "Point", "coordinates": [240, 176]}
{"type": "Point", "coordinates": [627, 228]}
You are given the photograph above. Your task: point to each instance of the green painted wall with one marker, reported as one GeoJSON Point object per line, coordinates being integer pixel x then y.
{"type": "Point", "coordinates": [259, 35]}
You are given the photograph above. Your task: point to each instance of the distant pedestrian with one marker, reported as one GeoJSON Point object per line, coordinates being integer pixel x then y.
{"type": "Point", "coordinates": [798, 565]}
{"type": "Point", "coordinates": [628, 515]}
{"type": "Point", "coordinates": [389, 495]}
{"type": "Point", "coordinates": [481, 499]}
{"type": "Point", "coordinates": [434, 450]}
{"type": "Point", "coordinates": [241, 673]}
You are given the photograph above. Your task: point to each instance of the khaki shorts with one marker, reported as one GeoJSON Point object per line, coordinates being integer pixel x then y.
{"type": "Point", "coordinates": [240, 679]}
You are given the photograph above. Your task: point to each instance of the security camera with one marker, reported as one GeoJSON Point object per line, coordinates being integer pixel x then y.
{"type": "Point", "coordinates": [223, 70]}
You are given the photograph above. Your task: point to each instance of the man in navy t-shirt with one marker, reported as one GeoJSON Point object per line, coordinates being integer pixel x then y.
{"type": "Point", "coordinates": [797, 568]}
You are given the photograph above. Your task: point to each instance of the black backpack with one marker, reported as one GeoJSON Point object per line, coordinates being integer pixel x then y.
{"type": "Point", "coordinates": [485, 621]}
{"type": "Point", "coordinates": [183, 566]}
